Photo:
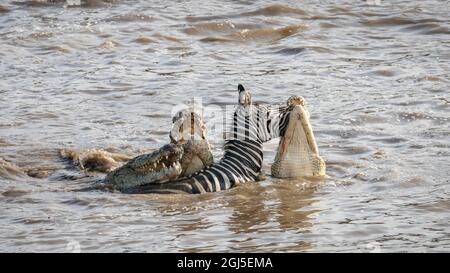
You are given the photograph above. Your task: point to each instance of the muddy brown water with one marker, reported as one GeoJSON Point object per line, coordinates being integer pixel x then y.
{"type": "Point", "coordinates": [104, 75]}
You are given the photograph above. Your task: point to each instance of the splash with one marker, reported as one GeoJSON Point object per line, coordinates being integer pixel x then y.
{"type": "Point", "coordinates": [94, 159]}
{"type": "Point", "coordinates": [108, 44]}
{"type": "Point", "coordinates": [10, 171]}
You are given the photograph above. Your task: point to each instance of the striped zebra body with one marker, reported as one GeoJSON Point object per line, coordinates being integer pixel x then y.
{"type": "Point", "coordinates": [241, 163]}
{"type": "Point", "coordinates": [243, 151]}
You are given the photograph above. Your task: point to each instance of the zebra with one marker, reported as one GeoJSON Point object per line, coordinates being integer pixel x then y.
{"type": "Point", "coordinates": [252, 125]}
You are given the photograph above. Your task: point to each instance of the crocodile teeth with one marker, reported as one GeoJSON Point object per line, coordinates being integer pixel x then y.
{"type": "Point", "coordinates": [163, 165]}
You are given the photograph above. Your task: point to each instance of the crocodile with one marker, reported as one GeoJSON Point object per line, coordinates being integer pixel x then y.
{"type": "Point", "coordinates": [188, 152]}
{"type": "Point", "coordinates": [297, 154]}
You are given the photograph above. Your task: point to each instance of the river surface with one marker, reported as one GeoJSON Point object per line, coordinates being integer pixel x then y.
{"type": "Point", "coordinates": [101, 77]}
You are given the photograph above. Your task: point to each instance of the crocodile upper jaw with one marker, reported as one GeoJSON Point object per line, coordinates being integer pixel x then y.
{"type": "Point", "coordinates": [158, 167]}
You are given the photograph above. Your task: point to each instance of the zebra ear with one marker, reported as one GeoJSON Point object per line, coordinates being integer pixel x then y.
{"type": "Point", "coordinates": [245, 98]}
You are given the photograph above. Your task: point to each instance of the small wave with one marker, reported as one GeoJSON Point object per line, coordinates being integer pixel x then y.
{"type": "Point", "coordinates": [432, 79]}
{"type": "Point", "coordinates": [144, 40]}
{"type": "Point", "coordinates": [38, 173]}
{"type": "Point", "coordinates": [412, 182]}
{"type": "Point", "coordinates": [130, 17]}
{"type": "Point", "coordinates": [446, 101]}
{"type": "Point", "coordinates": [339, 9]}
{"type": "Point", "coordinates": [167, 38]}
{"type": "Point", "coordinates": [437, 206]}
{"type": "Point", "coordinates": [427, 28]}
{"type": "Point", "coordinates": [36, 220]}
{"type": "Point", "coordinates": [328, 25]}
{"type": "Point", "coordinates": [53, 49]}
{"type": "Point", "coordinates": [217, 27]}
{"type": "Point", "coordinates": [350, 150]}
{"type": "Point", "coordinates": [379, 154]}
{"type": "Point", "coordinates": [168, 72]}
{"type": "Point", "coordinates": [5, 143]}
{"type": "Point", "coordinates": [395, 21]}
{"type": "Point", "coordinates": [41, 35]}
{"type": "Point", "coordinates": [275, 10]}
{"type": "Point", "coordinates": [38, 3]}
{"type": "Point", "coordinates": [437, 133]}
{"type": "Point", "coordinates": [89, 3]}
{"type": "Point", "coordinates": [412, 116]}
{"type": "Point", "coordinates": [65, 3]}
{"type": "Point", "coordinates": [383, 72]}
{"type": "Point", "coordinates": [77, 201]}
{"type": "Point", "coordinates": [367, 119]}
{"type": "Point", "coordinates": [8, 124]}
{"type": "Point", "coordinates": [291, 51]}
{"type": "Point", "coordinates": [216, 40]}
{"type": "Point", "coordinates": [9, 170]}
{"type": "Point", "coordinates": [272, 10]}
{"type": "Point", "coordinates": [392, 140]}
{"type": "Point", "coordinates": [108, 44]}
{"type": "Point", "coordinates": [13, 192]}
{"type": "Point", "coordinates": [339, 168]}
{"type": "Point", "coordinates": [258, 35]}
{"type": "Point", "coordinates": [360, 176]}
{"type": "Point", "coordinates": [298, 50]}
{"type": "Point", "coordinates": [3, 9]}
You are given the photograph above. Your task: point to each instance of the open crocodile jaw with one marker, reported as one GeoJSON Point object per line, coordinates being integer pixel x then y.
{"type": "Point", "coordinates": [189, 130]}
{"type": "Point", "coordinates": [297, 153]}
{"type": "Point", "coordinates": [158, 167]}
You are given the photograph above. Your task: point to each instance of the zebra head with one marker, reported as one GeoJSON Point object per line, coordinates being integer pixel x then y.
{"type": "Point", "coordinates": [256, 122]}
{"type": "Point", "coordinates": [245, 98]}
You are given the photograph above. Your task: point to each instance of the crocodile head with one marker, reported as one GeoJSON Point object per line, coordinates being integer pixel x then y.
{"type": "Point", "coordinates": [159, 166]}
{"type": "Point", "coordinates": [297, 153]}
{"type": "Point", "coordinates": [190, 131]}
{"type": "Point", "coordinates": [187, 124]}
{"type": "Point", "coordinates": [188, 152]}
